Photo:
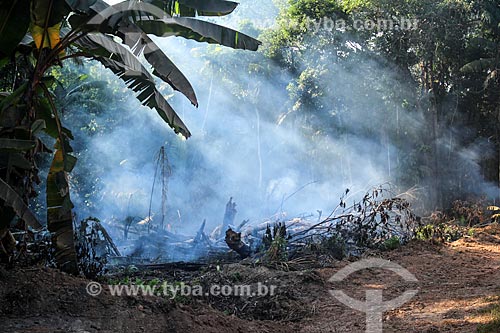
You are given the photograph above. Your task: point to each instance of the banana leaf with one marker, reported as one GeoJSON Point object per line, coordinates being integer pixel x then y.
{"type": "Point", "coordinates": [153, 20]}
{"type": "Point", "coordinates": [129, 68]}
{"type": "Point", "coordinates": [44, 112]}
{"type": "Point", "coordinates": [16, 145]}
{"type": "Point", "coordinates": [14, 23]}
{"type": "Point", "coordinates": [192, 8]}
{"type": "Point", "coordinates": [38, 126]}
{"type": "Point", "coordinates": [80, 5]}
{"type": "Point", "coordinates": [9, 160]}
{"type": "Point", "coordinates": [13, 98]}
{"type": "Point", "coordinates": [164, 68]}
{"type": "Point", "coordinates": [39, 11]}
{"type": "Point", "coordinates": [59, 217]}
{"type": "Point", "coordinates": [200, 31]}
{"type": "Point", "coordinates": [128, 20]}
{"type": "Point", "coordinates": [137, 40]}
{"type": "Point", "coordinates": [13, 200]}
{"type": "Point", "coordinates": [19, 161]}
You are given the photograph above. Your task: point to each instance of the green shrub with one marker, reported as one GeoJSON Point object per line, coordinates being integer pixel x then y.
{"type": "Point", "coordinates": [391, 243]}
{"type": "Point", "coordinates": [494, 324]}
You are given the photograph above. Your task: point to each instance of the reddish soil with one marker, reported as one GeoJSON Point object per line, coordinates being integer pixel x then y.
{"type": "Point", "coordinates": [457, 282]}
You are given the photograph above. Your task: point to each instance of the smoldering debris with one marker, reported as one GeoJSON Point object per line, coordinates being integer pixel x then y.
{"type": "Point", "coordinates": [234, 242]}
{"type": "Point", "coordinates": [379, 216]}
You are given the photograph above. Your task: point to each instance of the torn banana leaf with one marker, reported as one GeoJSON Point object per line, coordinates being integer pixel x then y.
{"type": "Point", "coordinates": [13, 200]}
{"type": "Point", "coordinates": [59, 216]}
{"type": "Point", "coordinates": [16, 145]}
{"type": "Point", "coordinates": [128, 67]}
{"type": "Point", "coordinates": [139, 42]}
{"type": "Point", "coordinates": [192, 8]}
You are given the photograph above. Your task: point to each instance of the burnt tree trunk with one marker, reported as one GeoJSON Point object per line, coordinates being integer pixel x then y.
{"type": "Point", "coordinates": [230, 214]}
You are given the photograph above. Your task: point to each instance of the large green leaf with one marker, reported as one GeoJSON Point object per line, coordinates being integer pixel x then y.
{"type": "Point", "coordinates": [129, 68]}
{"type": "Point", "coordinates": [38, 126]}
{"type": "Point", "coordinates": [45, 113]}
{"type": "Point", "coordinates": [17, 160]}
{"type": "Point", "coordinates": [163, 67]}
{"type": "Point", "coordinates": [132, 21]}
{"type": "Point", "coordinates": [59, 216]}
{"type": "Point", "coordinates": [16, 145]}
{"type": "Point", "coordinates": [173, 7]}
{"type": "Point", "coordinates": [80, 5]}
{"type": "Point", "coordinates": [3, 62]}
{"type": "Point", "coordinates": [195, 7]}
{"type": "Point", "coordinates": [13, 98]}
{"type": "Point", "coordinates": [200, 31]}
{"type": "Point", "coordinates": [39, 12]}
{"type": "Point", "coordinates": [14, 23]}
{"type": "Point", "coordinates": [128, 20]}
{"type": "Point", "coordinates": [153, 20]}
{"type": "Point", "coordinates": [13, 200]}
{"type": "Point", "coordinates": [136, 39]}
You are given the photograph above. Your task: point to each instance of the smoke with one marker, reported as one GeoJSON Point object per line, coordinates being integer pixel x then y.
{"type": "Point", "coordinates": [257, 139]}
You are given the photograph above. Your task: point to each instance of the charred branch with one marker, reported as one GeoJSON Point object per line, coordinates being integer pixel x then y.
{"type": "Point", "coordinates": [230, 214]}
{"type": "Point", "coordinates": [233, 240]}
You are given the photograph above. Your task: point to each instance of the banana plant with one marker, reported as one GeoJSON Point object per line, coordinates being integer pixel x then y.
{"type": "Point", "coordinates": [40, 34]}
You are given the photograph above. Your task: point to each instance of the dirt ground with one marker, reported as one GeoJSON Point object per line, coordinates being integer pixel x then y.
{"type": "Point", "coordinates": [456, 283]}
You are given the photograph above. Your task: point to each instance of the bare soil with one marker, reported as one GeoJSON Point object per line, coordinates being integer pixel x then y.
{"type": "Point", "coordinates": [457, 282]}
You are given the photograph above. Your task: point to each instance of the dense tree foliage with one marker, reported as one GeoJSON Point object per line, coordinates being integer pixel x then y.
{"type": "Point", "coordinates": [447, 67]}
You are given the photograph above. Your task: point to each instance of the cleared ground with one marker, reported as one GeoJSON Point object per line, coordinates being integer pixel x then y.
{"type": "Point", "coordinates": [458, 283]}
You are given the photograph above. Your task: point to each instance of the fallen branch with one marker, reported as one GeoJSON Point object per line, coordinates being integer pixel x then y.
{"type": "Point", "coordinates": [233, 240]}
